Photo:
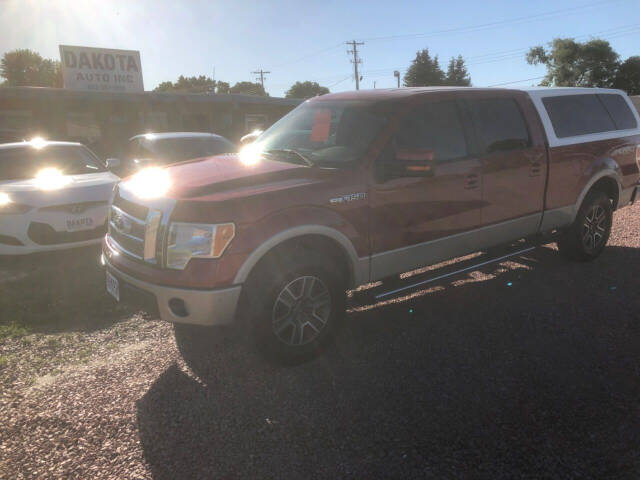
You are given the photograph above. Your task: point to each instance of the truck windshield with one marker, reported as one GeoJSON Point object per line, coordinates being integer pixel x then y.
{"type": "Point", "coordinates": [325, 133]}
{"type": "Point", "coordinates": [171, 150]}
{"type": "Point", "coordinates": [25, 162]}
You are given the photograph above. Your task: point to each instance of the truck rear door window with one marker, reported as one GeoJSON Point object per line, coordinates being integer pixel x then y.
{"type": "Point", "coordinates": [619, 110]}
{"type": "Point", "coordinates": [434, 126]}
{"type": "Point", "coordinates": [573, 115]}
{"type": "Point", "coordinates": [500, 124]}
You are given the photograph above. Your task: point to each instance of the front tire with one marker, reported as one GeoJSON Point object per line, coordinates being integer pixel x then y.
{"type": "Point", "coordinates": [296, 305]}
{"type": "Point", "coordinates": [586, 238]}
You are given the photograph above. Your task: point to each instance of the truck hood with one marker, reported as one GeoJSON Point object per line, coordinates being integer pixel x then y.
{"type": "Point", "coordinates": [228, 174]}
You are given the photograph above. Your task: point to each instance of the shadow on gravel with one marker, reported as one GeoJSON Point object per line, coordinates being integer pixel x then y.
{"type": "Point", "coordinates": [529, 372]}
{"type": "Point", "coordinates": [56, 291]}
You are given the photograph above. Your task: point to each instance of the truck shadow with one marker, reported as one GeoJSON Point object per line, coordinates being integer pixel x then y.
{"type": "Point", "coordinates": [528, 369]}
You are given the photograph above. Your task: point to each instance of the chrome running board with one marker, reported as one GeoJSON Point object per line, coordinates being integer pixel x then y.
{"type": "Point", "coordinates": [411, 286]}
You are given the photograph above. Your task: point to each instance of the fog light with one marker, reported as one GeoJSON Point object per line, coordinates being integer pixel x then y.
{"type": "Point", "coordinates": [178, 307]}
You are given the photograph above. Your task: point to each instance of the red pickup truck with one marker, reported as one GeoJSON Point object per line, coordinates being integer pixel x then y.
{"type": "Point", "coordinates": [351, 188]}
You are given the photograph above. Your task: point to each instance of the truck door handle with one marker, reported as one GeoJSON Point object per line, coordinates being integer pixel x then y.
{"type": "Point", "coordinates": [535, 169]}
{"type": "Point", "coordinates": [471, 181]}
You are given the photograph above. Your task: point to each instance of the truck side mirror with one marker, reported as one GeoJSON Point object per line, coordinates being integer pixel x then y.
{"type": "Point", "coordinates": [413, 163]}
{"type": "Point", "coordinates": [113, 163]}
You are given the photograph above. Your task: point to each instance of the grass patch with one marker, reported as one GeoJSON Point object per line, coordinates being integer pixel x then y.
{"type": "Point", "coordinates": [3, 361]}
{"type": "Point", "coordinates": [84, 353]}
{"type": "Point", "coordinates": [13, 330]}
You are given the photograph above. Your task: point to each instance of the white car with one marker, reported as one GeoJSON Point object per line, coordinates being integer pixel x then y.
{"type": "Point", "coordinates": [53, 196]}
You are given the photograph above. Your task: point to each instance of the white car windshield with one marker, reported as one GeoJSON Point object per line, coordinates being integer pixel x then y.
{"type": "Point", "coordinates": [23, 162]}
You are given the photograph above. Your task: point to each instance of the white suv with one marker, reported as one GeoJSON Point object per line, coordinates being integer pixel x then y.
{"type": "Point", "coordinates": [53, 196]}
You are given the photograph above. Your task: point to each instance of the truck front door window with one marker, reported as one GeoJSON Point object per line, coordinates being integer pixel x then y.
{"type": "Point", "coordinates": [328, 134]}
{"type": "Point", "coordinates": [437, 127]}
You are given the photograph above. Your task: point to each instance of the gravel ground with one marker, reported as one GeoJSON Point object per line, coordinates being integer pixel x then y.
{"type": "Point", "coordinates": [527, 369]}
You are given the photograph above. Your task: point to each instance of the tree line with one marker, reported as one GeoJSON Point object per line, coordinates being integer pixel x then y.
{"type": "Point", "coordinates": [569, 63]}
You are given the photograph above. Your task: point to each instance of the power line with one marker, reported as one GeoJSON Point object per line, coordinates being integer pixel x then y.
{"type": "Point", "coordinates": [516, 81]}
{"type": "Point", "coordinates": [356, 60]}
{"type": "Point", "coordinates": [487, 58]}
{"type": "Point", "coordinates": [309, 55]}
{"type": "Point", "coordinates": [517, 53]}
{"type": "Point", "coordinates": [507, 55]}
{"type": "Point", "coordinates": [489, 25]}
{"type": "Point", "coordinates": [339, 81]}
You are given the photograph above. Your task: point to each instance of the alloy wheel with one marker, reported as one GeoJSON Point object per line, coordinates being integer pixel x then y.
{"type": "Point", "coordinates": [301, 310]}
{"type": "Point", "coordinates": [594, 228]}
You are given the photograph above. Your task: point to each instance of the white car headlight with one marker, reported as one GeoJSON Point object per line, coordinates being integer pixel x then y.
{"type": "Point", "coordinates": [195, 240]}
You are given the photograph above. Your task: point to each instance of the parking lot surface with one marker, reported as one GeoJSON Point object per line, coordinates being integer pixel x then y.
{"type": "Point", "coordinates": [525, 369]}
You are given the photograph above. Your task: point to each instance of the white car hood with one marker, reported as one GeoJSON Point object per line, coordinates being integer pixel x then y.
{"type": "Point", "coordinates": [89, 187]}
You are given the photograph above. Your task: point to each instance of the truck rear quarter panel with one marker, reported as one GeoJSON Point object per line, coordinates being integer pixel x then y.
{"type": "Point", "coordinates": [571, 168]}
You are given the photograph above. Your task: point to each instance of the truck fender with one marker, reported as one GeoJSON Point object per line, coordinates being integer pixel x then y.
{"type": "Point", "coordinates": [359, 266]}
{"type": "Point", "coordinates": [608, 171]}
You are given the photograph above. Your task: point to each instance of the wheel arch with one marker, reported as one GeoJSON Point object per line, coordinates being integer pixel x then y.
{"type": "Point", "coordinates": [358, 269]}
{"type": "Point", "coordinates": [607, 181]}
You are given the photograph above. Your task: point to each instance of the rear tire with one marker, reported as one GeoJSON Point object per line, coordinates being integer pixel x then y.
{"type": "Point", "coordinates": [586, 238]}
{"type": "Point", "coordinates": [296, 304]}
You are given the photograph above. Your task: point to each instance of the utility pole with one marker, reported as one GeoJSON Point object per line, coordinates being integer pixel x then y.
{"type": "Point", "coordinates": [356, 60]}
{"type": "Point", "coordinates": [213, 78]}
{"type": "Point", "coordinates": [262, 73]}
{"type": "Point", "coordinates": [396, 74]}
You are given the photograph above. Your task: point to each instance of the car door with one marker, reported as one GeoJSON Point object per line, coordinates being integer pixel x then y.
{"type": "Point", "coordinates": [513, 156]}
{"type": "Point", "coordinates": [417, 209]}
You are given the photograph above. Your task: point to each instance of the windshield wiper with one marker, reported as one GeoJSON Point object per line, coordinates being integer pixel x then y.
{"type": "Point", "coordinates": [290, 152]}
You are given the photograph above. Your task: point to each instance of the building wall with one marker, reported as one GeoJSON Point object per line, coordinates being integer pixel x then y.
{"type": "Point", "coordinates": [105, 122]}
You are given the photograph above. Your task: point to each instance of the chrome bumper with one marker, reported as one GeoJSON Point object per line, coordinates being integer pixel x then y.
{"type": "Point", "coordinates": [201, 307]}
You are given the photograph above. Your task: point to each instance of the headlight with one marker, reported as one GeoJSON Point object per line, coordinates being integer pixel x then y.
{"type": "Point", "coordinates": [7, 206]}
{"type": "Point", "coordinates": [150, 182]}
{"type": "Point", "coordinates": [193, 240]}
{"type": "Point", "coordinates": [51, 179]}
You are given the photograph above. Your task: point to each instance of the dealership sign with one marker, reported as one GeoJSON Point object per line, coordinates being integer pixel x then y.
{"type": "Point", "coordinates": [101, 69]}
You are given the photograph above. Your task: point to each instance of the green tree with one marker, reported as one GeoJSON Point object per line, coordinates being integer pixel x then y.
{"type": "Point", "coordinates": [25, 67]}
{"type": "Point", "coordinates": [628, 76]}
{"type": "Point", "coordinates": [248, 88]}
{"type": "Point", "coordinates": [200, 84]}
{"type": "Point", "coordinates": [306, 90]}
{"type": "Point", "coordinates": [575, 64]}
{"type": "Point", "coordinates": [164, 87]}
{"type": "Point", "coordinates": [222, 87]}
{"type": "Point", "coordinates": [424, 71]}
{"type": "Point", "coordinates": [457, 74]}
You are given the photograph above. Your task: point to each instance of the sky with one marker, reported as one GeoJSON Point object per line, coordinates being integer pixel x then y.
{"type": "Point", "coordinates": [305, 40]}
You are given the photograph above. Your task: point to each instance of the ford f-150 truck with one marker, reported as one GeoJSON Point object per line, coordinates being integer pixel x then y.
{"type": "Point", "coordinates": [354, 187]}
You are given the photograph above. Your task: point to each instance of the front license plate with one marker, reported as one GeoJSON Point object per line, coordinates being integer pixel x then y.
{"type": "Point", "coordinates": [75, 224]}
{"type": "Point", "coordinates": [113, 286]}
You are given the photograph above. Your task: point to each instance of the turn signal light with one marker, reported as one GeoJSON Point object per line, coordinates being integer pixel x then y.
{"type": "Point", "coordinates": [224, 235]}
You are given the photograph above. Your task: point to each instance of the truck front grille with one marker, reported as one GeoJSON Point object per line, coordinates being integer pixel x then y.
{"type": "Point", "coordinates": [133, 229]}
